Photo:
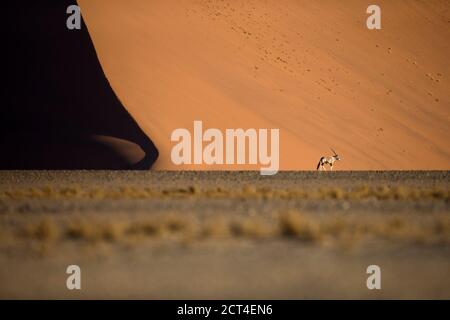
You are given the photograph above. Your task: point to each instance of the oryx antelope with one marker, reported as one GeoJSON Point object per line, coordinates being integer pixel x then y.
{"type": "Point", "coordinates": [328, 160]}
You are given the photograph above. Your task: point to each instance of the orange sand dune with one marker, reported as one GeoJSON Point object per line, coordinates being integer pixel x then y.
{"type": "Point", "coordinates": [311, 68]}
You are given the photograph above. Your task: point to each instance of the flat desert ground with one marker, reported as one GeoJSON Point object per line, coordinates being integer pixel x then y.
{"type": "Point", "coordinates": [203, 235]}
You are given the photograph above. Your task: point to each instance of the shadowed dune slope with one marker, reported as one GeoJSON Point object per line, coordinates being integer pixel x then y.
{"type": "Point", "coordinates": [58, 110]}
{"type": "Point", "coordinates": [310, 68]}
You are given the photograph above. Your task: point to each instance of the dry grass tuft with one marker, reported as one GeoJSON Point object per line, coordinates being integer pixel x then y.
{"type": "Point", "coordinates": [176, 223]}
{"type": "Point", "coordinates": [145, 228]}
{"type": "Point", "coordinates": [215, 228]}
{"type": "Point", "coordinates": [44, 230]}
{"type": "Point", "coordinates": [295, 225]}
{"type": "Point", "coordinates": [94, 232]}
{"type": "Point", "coordinates": [252, 228]}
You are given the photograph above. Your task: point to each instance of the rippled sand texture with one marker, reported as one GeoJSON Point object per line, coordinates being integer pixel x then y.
{"type": "Point", "coordinates": [310, 68]}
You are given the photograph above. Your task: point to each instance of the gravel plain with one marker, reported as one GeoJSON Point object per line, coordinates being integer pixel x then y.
{"type": "Point", "coordinates": [218, 234]}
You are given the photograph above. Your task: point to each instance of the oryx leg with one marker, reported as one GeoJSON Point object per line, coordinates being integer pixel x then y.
{"type": "Point", "coordinates": [331, 167]}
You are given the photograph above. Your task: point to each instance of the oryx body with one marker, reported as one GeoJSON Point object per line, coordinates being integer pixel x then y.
{"type": "Point", "coordinates": [328, 160]}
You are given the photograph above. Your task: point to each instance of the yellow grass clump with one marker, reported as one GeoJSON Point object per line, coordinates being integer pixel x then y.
{"type": "Point", "coordinates": [44, 230]}
{"type": "Point", "coordinates": [251, 227]}
{"type": "Point", "coordinates": [295, 225]}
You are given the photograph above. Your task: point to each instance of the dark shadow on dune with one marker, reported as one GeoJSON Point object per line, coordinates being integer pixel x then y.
{"type": "Point", "coordinates": [58, 110]}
